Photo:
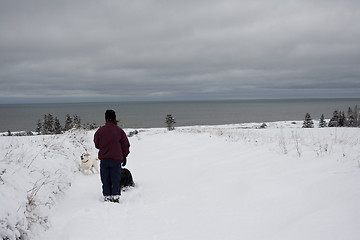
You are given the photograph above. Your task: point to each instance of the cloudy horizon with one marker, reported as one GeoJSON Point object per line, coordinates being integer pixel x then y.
{"type": "Point", "coordinates": [151, 50]}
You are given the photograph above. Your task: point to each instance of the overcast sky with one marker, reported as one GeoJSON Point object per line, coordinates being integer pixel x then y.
{"type": "Point", "coordinates": [91, 50]}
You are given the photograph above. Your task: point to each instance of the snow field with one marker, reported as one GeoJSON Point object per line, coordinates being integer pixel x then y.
{"type": "Point", "coordinates": [201, 182]}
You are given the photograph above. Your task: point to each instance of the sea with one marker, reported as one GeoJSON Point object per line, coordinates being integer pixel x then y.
{"type": "Point", "coordinates": [24, 117]}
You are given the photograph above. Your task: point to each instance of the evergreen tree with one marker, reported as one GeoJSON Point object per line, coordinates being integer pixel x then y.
{"type": "Point", "coordinates": [308, 122]}
{"type": "Point", "coordinates": [57, 126]}
{"type": "Point", "coordinates": [48, 125]}
{"type": "Point", "coordinates": [68, 123]}
{"type": "Point", "coordinates": [322, 122]}
{"type": "Point", "coordinates": [356, 116]}
{"type": "Point", "coordinates": [334, 121]}
{"type": "Point", "coordinates": [170, 121]}
{"type": "Point", "coordinates": [342, 119]}
{"type": "Point", "coordinates": [350, 118]}
{"type": "Point", "coordinates": [77, 122]}
{"type": "Point", "coordinates": [38, 127]}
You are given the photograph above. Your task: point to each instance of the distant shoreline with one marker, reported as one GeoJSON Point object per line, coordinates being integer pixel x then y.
{"type": "Point", "coordinates": [252, 125]}
{"type": "Point", "coordinates": [24, 117]}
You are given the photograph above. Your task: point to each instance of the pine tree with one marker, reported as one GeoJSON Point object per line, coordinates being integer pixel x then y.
{"type": "Point", "coordinates": [350, 118]}
{"type": "Point", "coordinates": [322, 122]}
{"type": "Point", "coordinates": [57, 126]}
{"type": "Point", "coordinates": [334, 121]}
{"type": "Point", "coordinates": [342, 119]}
{"type": "Point", "coordinates": [308, 122]}
{"type": "Point", "coordinates": [170, 121]}
{"type": "Point", "coordinates": [77, 122]}
{"type": "Point", "coordinates": [48, 125]}
{"type": "Point", "coordinates": [68, 123]}
{"type": "Point", "coordinates": [38, 127]}
{"type": "Point", "coordinates": [356, 116]}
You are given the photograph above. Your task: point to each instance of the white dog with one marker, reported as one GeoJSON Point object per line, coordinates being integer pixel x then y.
{"type": "Point", "coordinates": [88, 164]}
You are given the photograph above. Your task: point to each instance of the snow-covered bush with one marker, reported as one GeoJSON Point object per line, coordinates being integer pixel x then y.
{"type": "Point", "coordinates": [34, 171]}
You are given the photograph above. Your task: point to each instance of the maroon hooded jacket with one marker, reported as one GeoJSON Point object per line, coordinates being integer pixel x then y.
{"type": "Point", "coordinates": [112, 142]}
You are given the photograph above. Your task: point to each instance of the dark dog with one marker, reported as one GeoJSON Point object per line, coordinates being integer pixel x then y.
{"type": "Point", "coordinates": [126, 179]}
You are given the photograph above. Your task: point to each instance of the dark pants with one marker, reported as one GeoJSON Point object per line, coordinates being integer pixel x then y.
{"type": "Point", "coordinates": [110, 173]}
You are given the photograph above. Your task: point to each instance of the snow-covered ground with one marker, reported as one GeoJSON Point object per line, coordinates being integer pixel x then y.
{"type": "Point", "coordinates": [199, 182]}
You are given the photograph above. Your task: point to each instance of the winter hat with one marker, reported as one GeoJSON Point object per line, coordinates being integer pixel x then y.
{"type": "Point", "coordinates": [110, 115]}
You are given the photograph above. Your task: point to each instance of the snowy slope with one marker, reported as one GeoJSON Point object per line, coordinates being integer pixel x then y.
{"type": "Point", "coordinates": [201, 182]}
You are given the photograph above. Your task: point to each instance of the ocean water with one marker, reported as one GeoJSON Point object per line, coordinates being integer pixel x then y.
{"type": "Point", "coordinates": [24, 117]}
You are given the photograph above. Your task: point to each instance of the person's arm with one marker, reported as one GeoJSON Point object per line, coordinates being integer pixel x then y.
{"type": "Point", "coordinates": [96, 140]}
{"type": "Point", "coordinates": [125, 144]}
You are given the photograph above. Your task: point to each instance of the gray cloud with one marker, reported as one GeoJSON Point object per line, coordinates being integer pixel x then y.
{"type": "Point", "coordinates": [159, 50]}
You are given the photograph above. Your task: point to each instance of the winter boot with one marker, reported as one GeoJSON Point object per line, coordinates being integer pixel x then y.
{"type": "Point", "coordinates": [116, 198]}
{"type": "Point", "coordinates": [107, 199]}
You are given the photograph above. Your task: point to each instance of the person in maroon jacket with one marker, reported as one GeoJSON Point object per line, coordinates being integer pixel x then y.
{"type": "Point", "coordinates": [114, 147]}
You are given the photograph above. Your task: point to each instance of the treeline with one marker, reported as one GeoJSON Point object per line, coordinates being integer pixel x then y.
{"type": "Point", "coordinates": [339, 119]}
{"type": "Point", "coordinates": [51, 124]}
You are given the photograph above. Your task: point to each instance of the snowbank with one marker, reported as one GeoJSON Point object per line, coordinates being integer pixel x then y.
{"type": "Point", "coordinates": [35, 171]}
{"type": "Point", "coordinates": [201, 182]}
